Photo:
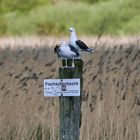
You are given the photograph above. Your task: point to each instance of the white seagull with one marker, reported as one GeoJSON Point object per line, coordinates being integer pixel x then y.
{"type": "Point", "coordinates": [65, 51]}
{"type": "Point", "coordinates": [76, 43]}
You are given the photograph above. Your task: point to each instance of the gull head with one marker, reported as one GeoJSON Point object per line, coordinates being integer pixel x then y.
{"type": "Point", "coordinates": [71, 29]}
{"type": "Point", "coordinates": [62, 43]}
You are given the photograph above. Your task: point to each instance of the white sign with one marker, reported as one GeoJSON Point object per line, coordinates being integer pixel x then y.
{"type": "Point", "coordinates": [62, 87]}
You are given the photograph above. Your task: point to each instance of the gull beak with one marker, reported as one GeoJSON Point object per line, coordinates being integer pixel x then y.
{"type": "Point", "coordinates": [70, 29]}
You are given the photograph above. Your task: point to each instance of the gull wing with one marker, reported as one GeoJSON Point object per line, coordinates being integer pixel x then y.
{"type": "Point", "coordinates": [74, 50]}
{"type": "Point", "coordinates": [83, 46]}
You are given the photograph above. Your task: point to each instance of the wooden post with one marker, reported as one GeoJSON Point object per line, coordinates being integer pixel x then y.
{"type": "Point", "coordinates": [70, 107]}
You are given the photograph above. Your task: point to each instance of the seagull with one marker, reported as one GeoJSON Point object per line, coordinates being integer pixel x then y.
{"type": "Point", "coordinates": [76, 43]}
{"type": "Point", "coordinates": [65, 51]}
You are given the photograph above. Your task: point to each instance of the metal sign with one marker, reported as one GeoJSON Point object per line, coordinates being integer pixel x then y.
{"type": "Point", "coordinates": [62, 87]}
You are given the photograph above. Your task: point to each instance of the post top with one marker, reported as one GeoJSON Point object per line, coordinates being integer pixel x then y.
{"type": "Point", "coordinates": [77, 62]}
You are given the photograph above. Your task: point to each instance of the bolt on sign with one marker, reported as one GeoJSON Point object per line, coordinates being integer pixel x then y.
{"type": "Point", "coordinates": [62, 87]}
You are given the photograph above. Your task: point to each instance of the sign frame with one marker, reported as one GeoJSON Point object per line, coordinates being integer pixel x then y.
{"type": "Point", "coordinates": [61, 87]}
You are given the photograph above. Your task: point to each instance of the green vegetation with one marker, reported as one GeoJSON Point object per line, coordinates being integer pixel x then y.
{"type": "Point", "coordinates": [42, 17]}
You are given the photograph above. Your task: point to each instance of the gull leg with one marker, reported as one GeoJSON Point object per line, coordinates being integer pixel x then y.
{"type": "Point", "coordinates": [73, 65]}
{"type": "Point", "coordinates": [66, 63]}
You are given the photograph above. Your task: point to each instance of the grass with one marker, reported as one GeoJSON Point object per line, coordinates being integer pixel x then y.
{"type": "Point", "coordinates": [111, 93]}
{"type": "Point", "coordinates": [111, 17]}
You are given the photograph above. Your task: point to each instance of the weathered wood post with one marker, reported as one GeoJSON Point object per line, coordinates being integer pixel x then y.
{"type": "Point", "coordinates": [70, 107]}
